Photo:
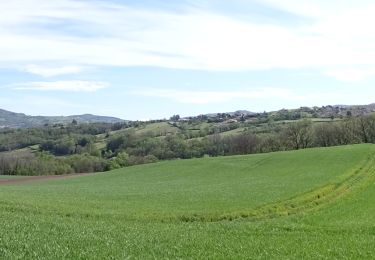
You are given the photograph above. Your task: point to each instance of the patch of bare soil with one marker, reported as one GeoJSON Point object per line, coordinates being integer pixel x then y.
{"type": "Point", "coordinates": [26, 179]}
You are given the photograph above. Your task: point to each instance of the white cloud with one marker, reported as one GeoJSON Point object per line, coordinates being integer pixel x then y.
{"type": "Point", "coordinates": [73, 85]}
{"type": "Point", "coordinates": [352, 74]}
{"type": "Point", "coordinates": [53, 71]}
{"type": "Point", "coordinates": [206, 97]}
{"type": "Point", "coordinates": [99, 33]}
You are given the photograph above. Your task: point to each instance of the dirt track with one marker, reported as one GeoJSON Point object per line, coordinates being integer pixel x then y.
{"type": "Point", "coordinates": [38, 178]}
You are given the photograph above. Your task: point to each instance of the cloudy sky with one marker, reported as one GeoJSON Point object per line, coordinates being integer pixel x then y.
{"type": "Point", "coordinates": [154, 58]}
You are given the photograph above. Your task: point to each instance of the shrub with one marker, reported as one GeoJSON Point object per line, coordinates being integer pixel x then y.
{"type": "Point", "coordinates": [87, 163]}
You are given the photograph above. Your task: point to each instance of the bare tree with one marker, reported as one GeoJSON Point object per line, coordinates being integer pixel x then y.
{"type": "Point", "coordinates": [298, 135]}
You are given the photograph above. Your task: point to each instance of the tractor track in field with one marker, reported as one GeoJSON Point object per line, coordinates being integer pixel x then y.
{"type": "Point", "coordinates": [312, 200]}
{"type": "Point", "coordinates": [27, 179]}
{"type": "Point", "coordinates": [355, 181]}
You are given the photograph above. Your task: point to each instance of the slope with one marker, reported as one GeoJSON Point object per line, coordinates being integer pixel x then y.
{"type": "Point", "coordinates": [20, 120]}
{"type": "Point", "coordinates": [136, 211]}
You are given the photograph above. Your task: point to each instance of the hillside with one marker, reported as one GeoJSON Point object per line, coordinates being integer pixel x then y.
{"type": "Point", "coordinates": [20, 120]}
{"type": "Point", "coordinates": [328, 112]}
{"type": "Point", "coordinates": [255, 206]}
{"type": "Point", "coordinates": [78, 148]}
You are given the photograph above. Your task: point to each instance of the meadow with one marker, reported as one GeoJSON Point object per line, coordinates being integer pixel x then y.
{"type": "Point", "coordinates": [312, 203]}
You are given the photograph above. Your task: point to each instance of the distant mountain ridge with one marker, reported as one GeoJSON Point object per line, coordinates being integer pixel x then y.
{"type": "Point", "coordinates": [20, 120]}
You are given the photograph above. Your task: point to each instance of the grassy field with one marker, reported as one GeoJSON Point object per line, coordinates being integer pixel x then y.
{"type": "Point", "coordinates": [314, 203]}
{"type": "Point", "coordinates": [9, 177]}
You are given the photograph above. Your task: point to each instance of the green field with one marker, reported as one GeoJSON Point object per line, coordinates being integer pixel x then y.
{"type": "Point", "coordinates": [9, 177]}
{"type": "Point", "coordinates": [313, 203]}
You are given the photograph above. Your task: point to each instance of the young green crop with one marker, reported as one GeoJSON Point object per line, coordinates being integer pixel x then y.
{"type": "Point", "coordinates": [136, 212]}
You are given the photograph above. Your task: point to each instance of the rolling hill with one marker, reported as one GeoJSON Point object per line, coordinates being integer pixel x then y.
{"type": "Point", "coordinates": [20, 120]}
{"type": "Point", "coordinates": [253, 206]}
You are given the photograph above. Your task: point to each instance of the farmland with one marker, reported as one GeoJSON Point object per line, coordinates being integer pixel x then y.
{"type": "Point", "coordinates": [187, 129]}
{"type": "Point", "coordinates": [256, 206]}
{"type": "Point", "coordinates": [79, 147]}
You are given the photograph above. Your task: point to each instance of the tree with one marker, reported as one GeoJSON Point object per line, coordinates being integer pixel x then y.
{"type": "Point", "coordinates": [244, 143]}
{"type": "Point", "coordinates": [328, 134]}
{"type": "Point", "coordinates": [116, 143]}
{"type": "Point", "coordinates": [298, 135]}
{"type": "Point", "coordinates": [366, 128]}
{"type": "Point", "coordinates": [175, 118]}
{"type": "Point", "coordinates": [214, 145]}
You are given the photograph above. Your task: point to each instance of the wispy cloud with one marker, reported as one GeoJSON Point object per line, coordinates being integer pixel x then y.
{"type": "Point", "coordinates": [45, 71]}
{"type": "Point", "coordinates": [103, 33]}
{"type": "Point", "coordinates": [73, 85]}
{"type": "Point", "coordinates": [206, 97]}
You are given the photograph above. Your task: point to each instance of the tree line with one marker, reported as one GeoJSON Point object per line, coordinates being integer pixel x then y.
{"type": "Point", "coordinates": [62, 150]}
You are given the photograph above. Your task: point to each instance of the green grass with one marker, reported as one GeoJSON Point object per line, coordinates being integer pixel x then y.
{"type": "Point", "coordinates": [157, 129]}
{"type": "Point", "coordinates": [9, 177]}
{"type": "Point", "coordinates": [145, 211]}
{"type": "Point", "coordinates": [233, 132]}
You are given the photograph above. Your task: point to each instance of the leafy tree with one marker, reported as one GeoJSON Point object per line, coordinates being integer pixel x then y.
{"type": "Point", "coordinates": [175, 118]}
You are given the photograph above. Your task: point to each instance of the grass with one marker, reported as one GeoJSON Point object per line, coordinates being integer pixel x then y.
{"type": "Point", "coordinates": [2, 177]}
{"type": "Point", "coordinates": [144, 211]}
{"type": "Point", "coordinates": [233, 132]}
{"type": "Point", "coordinates": [157, 129]}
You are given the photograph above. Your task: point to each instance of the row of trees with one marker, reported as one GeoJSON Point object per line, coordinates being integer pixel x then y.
{"type": "Point", "coordinates": [63, 151]}
{"type": "Point", "coordinates": [26, 163]}
{"type": "Point", "coordinates": [11, 139]}
{"type": "Point", "coordinates": [291, 136]}
{"type": "Point", "coordinates": [30, 164]}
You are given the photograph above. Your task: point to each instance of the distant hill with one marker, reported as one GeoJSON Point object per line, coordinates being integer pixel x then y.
{"type": "Point", "coordinates": [237, 113]}
{"type": "Point", "coordinates": [329, 111]}
{"type": "Point", "coordinates": [20, 120]}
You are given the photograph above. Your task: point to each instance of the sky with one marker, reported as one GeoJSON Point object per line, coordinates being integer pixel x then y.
{"type": "Point", "coordinates": [151, 59]}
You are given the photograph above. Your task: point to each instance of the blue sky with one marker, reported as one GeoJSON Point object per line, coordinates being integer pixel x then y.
{"type": "Point", "coordinates": [152, 58]}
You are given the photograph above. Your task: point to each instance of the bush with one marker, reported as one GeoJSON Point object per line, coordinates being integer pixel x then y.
{"type": "Point", "coordinates": [30, 164]}
{"type": "Point", "coordinates": [133, 160]}
{"type": "Point", "coordinates": [87, 163]}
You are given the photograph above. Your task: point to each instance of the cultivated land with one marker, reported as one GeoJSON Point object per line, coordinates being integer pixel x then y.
{"type": "Point", "coordinates": [313, 203]}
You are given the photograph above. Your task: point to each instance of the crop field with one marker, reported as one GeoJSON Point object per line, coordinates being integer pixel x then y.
{"type": "Point", "coordinates": [313, 203]}
{"type": "Point", "coordinates": [9, 177]}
